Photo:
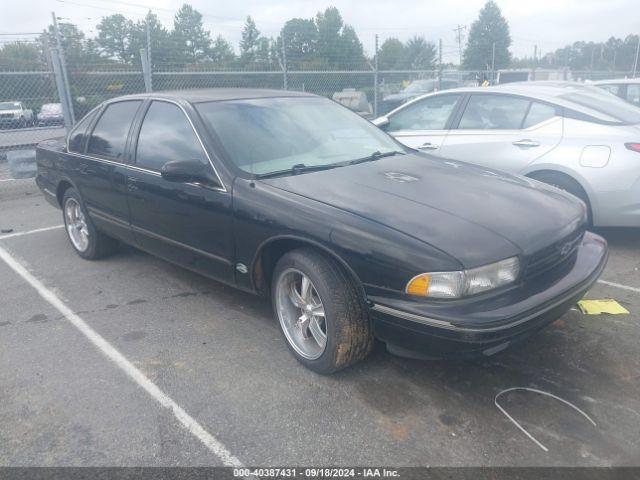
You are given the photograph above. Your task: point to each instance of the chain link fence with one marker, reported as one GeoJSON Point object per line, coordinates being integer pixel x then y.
{"type": "Point", "coordinates": [42, 96]}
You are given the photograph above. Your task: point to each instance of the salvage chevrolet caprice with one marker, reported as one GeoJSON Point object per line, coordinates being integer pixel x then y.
{"type": "Point", "coordinates": [351, 234]}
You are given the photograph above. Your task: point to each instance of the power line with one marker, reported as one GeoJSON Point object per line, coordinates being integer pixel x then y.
{"type": "Point", "coordinates": [459, 29]}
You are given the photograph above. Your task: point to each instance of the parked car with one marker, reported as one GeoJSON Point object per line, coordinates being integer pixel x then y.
{"type": "Point", "coordinates": [352, 235]}
{"type": "Point", "coordinates": [14, 115]}
{"type": "Point", "coordinates": [627, 89]}
{"type": "Point", "coordinates": [573, 136]}
{"type": "Point", "coordinates": [50, 114]}
{"type": "Point", "coordinates": [415, 89]}
{"type": "Point", "coordinates": [355, 101]}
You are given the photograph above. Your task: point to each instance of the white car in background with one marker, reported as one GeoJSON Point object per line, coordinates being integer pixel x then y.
{"type": "Point", "coordinates": [572, 136]}
{"type": "Point", "coordinates": [627, 89]}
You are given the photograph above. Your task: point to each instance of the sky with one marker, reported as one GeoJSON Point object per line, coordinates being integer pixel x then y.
{"type": "Point", "coordinates": [549, 24]}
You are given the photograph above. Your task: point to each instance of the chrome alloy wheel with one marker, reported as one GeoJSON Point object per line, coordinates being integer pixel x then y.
{"type": "Point", "coordinates": [76, 224]}
{"type": "Point", "coordinates": [301, 314]}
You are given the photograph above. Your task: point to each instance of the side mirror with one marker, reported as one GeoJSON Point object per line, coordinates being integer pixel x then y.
{"type": "Point", "coordinates": [185, 171]}
{"type": "Point", "coordinates": [381, 122]}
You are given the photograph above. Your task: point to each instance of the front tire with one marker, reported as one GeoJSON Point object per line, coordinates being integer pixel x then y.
{"type": "Point", "coordinates": [322, 314]}
{"type": "Point", "coordinates": [88, 242]}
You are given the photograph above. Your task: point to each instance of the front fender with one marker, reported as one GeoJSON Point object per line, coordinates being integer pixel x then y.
{"type": "Point", "coordinates": [380, 258]}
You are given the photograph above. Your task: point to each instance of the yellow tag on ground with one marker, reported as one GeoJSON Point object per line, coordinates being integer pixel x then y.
{"type": "Point", "coordinates": [596, 307]}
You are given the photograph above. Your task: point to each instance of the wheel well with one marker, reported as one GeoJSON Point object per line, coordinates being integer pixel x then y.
{"type": "Point", "coordinates": [63, 186]}
{"type": "Point", "coordinates": [273, 251]}
{"type": "Point", "coordinates": [542, 173]}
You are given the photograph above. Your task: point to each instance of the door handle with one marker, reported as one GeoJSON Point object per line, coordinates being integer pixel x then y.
{"type": "Point", "coordinates": [526, 143]}
{"type": "Point", "coordinates": [428, 146]}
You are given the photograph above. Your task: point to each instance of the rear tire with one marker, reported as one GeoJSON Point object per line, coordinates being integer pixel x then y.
{"type": "Point", "coordinates": [568, 184]}
{"type": "Point", "coordinates": [85, 239]}
{"type": "Point", "coordinates": [344, 320]}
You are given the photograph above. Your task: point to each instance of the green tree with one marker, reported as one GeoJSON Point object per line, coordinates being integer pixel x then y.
{"type": "Point", "coordinates": [615, 53]}
{"type": "Point", "coordinates": [249, 42]}
{"type": "Point", "coordinates": [222, 51]}
{"type": "Point", "coordinates": [351, 49]}
{"type": "Point", "coordinates": [191, 39]}
{"type": "Point", "coordinates": [391, 55]}
{"type": "Point", "coordinates": [73, 43]}
{"type": "Point", "coordinates": [419, 54]}
{"type": "Point", "coordinates": [338, 43]}
{"type": "Point", "coordinates": [264, 52]}
{"type": "Point", "coordinates": [329, 24]}
{"type": "Point", "coordinates": [160, 39]}
{"type": "Point", "coordinates": [20, 55]}
{"type": "Point", "coordinates": [300, 38]}
{"type": "Point", "coordinates": [114, 37]}
{"type": "Point", "coordinates": [488, 30]}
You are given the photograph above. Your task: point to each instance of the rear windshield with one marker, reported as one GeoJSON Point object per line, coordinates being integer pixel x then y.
{"type": "Point", "coordinates": [617, 110]}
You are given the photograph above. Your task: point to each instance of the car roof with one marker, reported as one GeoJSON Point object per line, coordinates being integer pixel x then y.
{"type": "Point", "coordinates": [616, 81]}
{"type": "Point", "coordinates": [219, 94]}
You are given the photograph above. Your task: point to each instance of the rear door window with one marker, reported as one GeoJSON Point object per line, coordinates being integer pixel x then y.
{"type": "Point", "coordinates": [494, 112]}
{"type": "Point", "coordinates": [538, 113]}
{"type": "Point", "coordinates": [109, 137]}
{"type": "Point", "coordinates": [432, 113]}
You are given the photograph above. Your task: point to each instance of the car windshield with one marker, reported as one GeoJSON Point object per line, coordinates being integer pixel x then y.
{"type": "Point", "coordinates": [51, 108]}
{"type": "Point", "coordinates": [268, 135]}
{"type": "Point", "coordinates": [606, 104]}
{"type": "Point", "coordinates": [9, 105]}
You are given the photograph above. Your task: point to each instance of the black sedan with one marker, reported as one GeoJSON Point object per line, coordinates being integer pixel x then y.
{"type": "Point", "coordinates": [351, 234]}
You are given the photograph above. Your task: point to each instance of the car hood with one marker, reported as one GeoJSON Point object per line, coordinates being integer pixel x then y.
{"type": "Point", "coordinates": [12, 112]}
{"type": "Point", "coordinates": [474, 214]}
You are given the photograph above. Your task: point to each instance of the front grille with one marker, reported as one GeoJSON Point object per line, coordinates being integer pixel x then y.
{"type": "Point", "coordinates": [6, 115]}
{"type": "Point", "coordinates": [554, 255]}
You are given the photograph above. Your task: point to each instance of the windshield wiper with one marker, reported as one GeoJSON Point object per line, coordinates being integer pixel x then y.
{"type": "Point", "coordinates": [375, 156]}
{"type": "Point", "coordinates": [298, 168]}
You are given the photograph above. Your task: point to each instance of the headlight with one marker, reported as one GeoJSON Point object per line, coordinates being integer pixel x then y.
{"type": "Point", "coordinates": [465, 282]}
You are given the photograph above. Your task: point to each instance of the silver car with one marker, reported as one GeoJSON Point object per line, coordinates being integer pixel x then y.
{"type": "Point", "coordinates": [581, 139]}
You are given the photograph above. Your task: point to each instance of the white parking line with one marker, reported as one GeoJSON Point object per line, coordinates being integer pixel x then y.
{"type": "Point", "coordinates": [619, 285]}
{"type": "Point", "coordinates": [29, 232]}
{"type": "Point", "coordinates": [209, 441]}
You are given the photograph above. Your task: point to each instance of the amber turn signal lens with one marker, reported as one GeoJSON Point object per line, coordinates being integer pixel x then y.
{"type": "Point", "coordinates": [419, 285]}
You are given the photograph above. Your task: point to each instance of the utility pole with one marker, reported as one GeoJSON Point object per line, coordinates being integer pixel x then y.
{"type": "Point", "coordinates": [285, 80]}
{"type": "Point", "coordinates": [635, 63]}
{"type": "Point", "coordinates": [459, 29]}
{"type": "Point", "coordinates": [375, 78]}
{"type": "Point", "coordinates": [493, 62]}
{"type": "Point", "coordinates": [63, 65]}
{"type": "Point", "coordinates": [440, 64]}
{"type": "Point", "coordinates": [150, 70]}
